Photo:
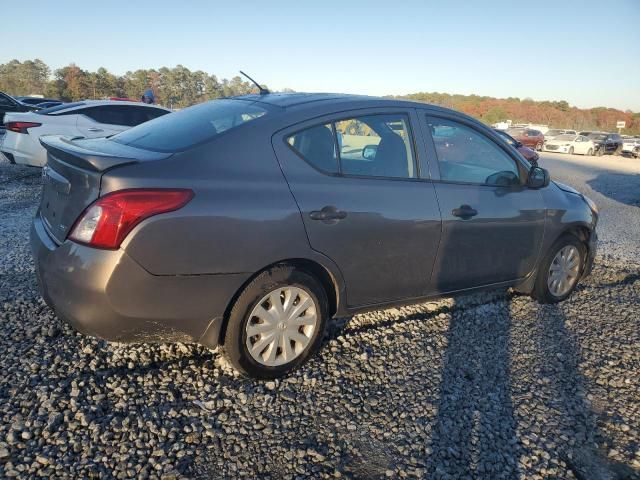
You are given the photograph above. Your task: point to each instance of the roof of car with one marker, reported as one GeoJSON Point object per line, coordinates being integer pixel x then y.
{"type": "Point", "coordinates": [301, 100]}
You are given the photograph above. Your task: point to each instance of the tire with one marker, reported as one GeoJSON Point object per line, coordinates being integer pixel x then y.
{"type": "Point", "coordinates": [618, 150]}
{"type": "Point", "coordinates": [570, 150]}
{"type": "Point", "coordinates": [590, 152]}
{"type": "Point", "coordinates": [236, 341]}
{"type": "Point", "coordinates": [542, 291]}
{"type": "Point", "coordinates": [539, 147]}
{"type": "Point", "coordinates": [599, 152]}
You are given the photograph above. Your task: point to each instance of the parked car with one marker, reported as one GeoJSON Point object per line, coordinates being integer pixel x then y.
{"type": "Point", "coordinates": [238, 222]}
{"type": "Point", "coordinates": [36, 101]}
{"type": "Point", "coordinates": [528, 153]}
{"type": "Point", "coordinates": [606, 143]}
{"type": "Point", "coordinates": [570, 144]}
{"type": "Point", "coordinates": [528, 137]}
{"type": "Point", "coordinates": [49, 104]}
{"type": "Point", "coordinates": [630, 145]}
{"type": "Point", "coordinates": [8, 104]}
{"type": "Point", "coordinates": [89, 119]}
{"type": "Point", "coordinates": [556, 132]}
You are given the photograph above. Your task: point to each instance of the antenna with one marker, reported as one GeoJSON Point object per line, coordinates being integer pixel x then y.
{"type": "Point", "coordinates": [263, 91]}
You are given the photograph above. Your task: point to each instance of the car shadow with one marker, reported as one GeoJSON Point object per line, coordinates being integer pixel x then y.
{"type": "Point", "coordinates": [475, 398]}
{"type": "Point", "coordinates": [623, 188]}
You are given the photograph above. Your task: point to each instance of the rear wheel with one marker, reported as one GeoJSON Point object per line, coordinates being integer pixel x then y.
{"type": "Point", "coordinates": [570, 150]}
{"type": "Point", "coordinates": [276, 324]}
{"type": "Point", "coordinates": [539, 147]}
{"type": "Point", "coordinates": [560, 270]}
{"type": "Point", "coordinates": [590, 152]}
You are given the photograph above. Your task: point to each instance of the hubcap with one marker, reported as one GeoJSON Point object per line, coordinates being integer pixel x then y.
{"type": "Point", "coordinates": [281, 326]}
{"type": "Point", "coordinates": [564, 271]}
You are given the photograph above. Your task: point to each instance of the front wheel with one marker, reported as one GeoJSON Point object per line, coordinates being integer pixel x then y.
{"type": "Point", "coordinates": [559, 272]}
{"type": "Point", "coordinates": [570, 150]}
{"type": "Point", "coordinates": [590, 152]}
{"type": "Point", "coordinates": [276, 324]}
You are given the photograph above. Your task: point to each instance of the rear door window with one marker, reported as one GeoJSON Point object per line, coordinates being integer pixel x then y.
{"type": "Point", "coordinates": [372, 146]}
{"type": "Point", "coordinates": [191, 126]}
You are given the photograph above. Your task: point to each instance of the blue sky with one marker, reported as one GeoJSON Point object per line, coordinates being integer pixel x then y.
{"type": "Point", "coordinates": [586, 52]}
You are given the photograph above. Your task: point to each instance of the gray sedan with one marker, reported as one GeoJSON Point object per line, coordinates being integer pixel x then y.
{"type": "Point", "coordinates": [250, 222]}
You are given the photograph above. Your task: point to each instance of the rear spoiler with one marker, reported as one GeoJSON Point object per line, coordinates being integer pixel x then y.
{"type": "Point", "coordinates": [96, 154]}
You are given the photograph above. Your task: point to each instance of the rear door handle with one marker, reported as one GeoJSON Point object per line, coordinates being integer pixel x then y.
{"type": "Point", "coordinates": [328, 214]}
{"type": "Point", "coordinates": [465, 212]}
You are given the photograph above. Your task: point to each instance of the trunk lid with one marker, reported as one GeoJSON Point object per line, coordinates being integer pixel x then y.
{"type": "Point", "coordinates": [72, 176]}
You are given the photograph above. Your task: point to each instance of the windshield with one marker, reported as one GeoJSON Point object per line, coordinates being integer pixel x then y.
{"type": "Point", "coordinates": [571, 138]}
{"type": "Point", "coordinates": [597, 136]}
{"type": "Point", "coordinates": [58, 108]}
{"type": "Point", "coordinates": [506, 137]}
{"type": "Point", "coordinates": [552, 133]}
{"type": "Point", "coordinates": [183, 129]}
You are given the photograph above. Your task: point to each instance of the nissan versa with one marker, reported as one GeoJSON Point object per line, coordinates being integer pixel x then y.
{"type": "Point", "coordinates": [249, 222]}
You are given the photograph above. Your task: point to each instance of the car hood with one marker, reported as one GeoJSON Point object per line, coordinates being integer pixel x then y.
{"type": "Point", "coordinates": [566, 188]}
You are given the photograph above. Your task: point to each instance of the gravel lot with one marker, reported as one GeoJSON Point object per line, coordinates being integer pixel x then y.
{"type": "Point", "coordinates": [486, 386]}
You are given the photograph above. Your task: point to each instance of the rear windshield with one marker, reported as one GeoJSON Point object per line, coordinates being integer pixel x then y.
{"type": "Point", "coordinates": [191, 126]}
{"type": "Point", "coordinates": [58, 108]}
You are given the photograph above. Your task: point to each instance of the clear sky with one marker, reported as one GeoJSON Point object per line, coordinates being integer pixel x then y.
{"type": "Point", "coordinates": [584, 51]}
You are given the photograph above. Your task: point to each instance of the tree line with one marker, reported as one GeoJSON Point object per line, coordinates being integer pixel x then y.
{"type": "Point", "coordinates": [179, 87]}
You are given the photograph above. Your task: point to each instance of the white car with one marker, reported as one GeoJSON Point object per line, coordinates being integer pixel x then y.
{"type": "Point", "coordinates": [89, 119]}
{"type": "Point", "coordinates": [629, 145]}
{"type": "Point", "coordinates": [570, 144]}
{"type": "Point", "coordinates": [556, 132]}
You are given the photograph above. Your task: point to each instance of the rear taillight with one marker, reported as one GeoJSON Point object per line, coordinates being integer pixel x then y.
{"type": "Point", "coordinates": [106, 222]}
{"type": "Point", "coordinates": [20, 127]}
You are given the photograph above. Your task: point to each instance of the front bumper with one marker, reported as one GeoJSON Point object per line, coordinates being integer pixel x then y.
{"type": "Point", "coordinates": [107, 294]}
{"type": "Point", "coordinates": [591, 254]}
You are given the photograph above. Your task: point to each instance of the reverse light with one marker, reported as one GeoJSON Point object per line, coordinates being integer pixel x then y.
{"type": "Point", "coordinates": [107, 221]}
{"type": "Point", "coordinates": [20, 127]}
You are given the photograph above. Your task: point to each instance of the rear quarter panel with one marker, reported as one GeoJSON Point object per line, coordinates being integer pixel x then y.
{"type": "Point", "coordinates": [242, 218]}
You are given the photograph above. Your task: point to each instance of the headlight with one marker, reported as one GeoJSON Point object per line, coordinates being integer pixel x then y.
{"type": "Point", "coordinates": [591, 203]}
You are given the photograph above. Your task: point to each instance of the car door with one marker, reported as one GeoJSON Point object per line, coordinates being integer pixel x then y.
{"type": "Point", "coordinates": [492, 224]}
{"type": "Point", "coordinates": [362, 201]}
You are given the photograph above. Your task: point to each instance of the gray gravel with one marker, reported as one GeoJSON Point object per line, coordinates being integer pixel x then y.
{"type": "Point", "coordinates": [486, 386]}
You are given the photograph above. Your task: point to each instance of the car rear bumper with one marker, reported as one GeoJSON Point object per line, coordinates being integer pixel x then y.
{"type": "Point", "coordinates": [23, 149]}
{"type": "Point", "coordinates": [107, 294]}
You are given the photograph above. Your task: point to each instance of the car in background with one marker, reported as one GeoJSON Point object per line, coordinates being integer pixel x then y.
{"type": "Point", "coordinates": [53, 103]}
{"type": "Point", "coordinates": [629, 145]}
{"type": "Point", "coordinates": [528, 153]}
{"type": "Point", "coordinates": [555, 132]}
{"type": "Point", "coordinates": [35, 101]}
{"type": "Point", "coordinates": [87, 119]}
{"type": "Point", "coordinates": [239, 223]}
{"type": "Point", "coordinates": [571, 144]}
{"type": "Point", "coordinates": [8, 104]}
{"type": "Point", "coordinates": [604, 142]}
{"type": "Point", "coordinates": [528, 137]}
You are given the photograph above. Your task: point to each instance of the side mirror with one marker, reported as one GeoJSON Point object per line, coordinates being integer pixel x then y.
{"type": "Point", "coordinates": [369, 152]}
{"type": "Point", "coordinates": [538, 178]}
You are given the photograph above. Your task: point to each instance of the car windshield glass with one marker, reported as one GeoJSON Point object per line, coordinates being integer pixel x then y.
{"type": "Point", "coordinates": [597, 136]}
{"type": "Point", "coordinates": [180, 130]}
{"type": "Point", "coordinates": [566, 137]}
{"type": "Point", "coordinates": [59, 108]}
{"type": "Point", "coordinates": [506, 137]}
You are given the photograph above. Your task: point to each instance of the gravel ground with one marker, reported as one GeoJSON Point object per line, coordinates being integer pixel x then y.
{"type": "Point", "coordinates": [487, 386]}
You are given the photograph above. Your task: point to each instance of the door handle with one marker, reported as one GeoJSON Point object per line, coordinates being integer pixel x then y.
{"type": "Point", "coordinates": [94, 129]}
{"type": "Point", "coordinates": [465, 212]}
{"type": "Point", "coordinates": [328, 214]}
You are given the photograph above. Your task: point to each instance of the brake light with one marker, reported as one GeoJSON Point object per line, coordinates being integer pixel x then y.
{"type": "Point", "coordinates": [20, 127]}
{"type": "Point", "coordinates": [106, 222]}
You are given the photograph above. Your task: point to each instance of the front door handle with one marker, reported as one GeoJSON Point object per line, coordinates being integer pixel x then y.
{"type": "Point", "coordinates": [328, 214]}
{"type": "Point", "coordinates": [465, 212]}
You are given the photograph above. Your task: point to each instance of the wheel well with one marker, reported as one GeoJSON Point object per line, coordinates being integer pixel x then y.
{"type": "Point", "coordinates": [581, 233]}
{"type": "Point", "coordinates": [309, 266]}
